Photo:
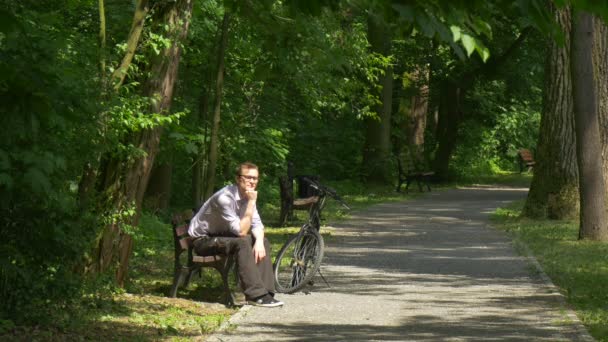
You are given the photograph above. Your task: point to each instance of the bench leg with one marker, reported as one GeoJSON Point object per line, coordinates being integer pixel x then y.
{"type": "Point", "coordinates": [178, 279]}
{"type": "Point", "coordinates": [419, 182]}
{"type": "Point", "coordinates": [225, 272]}
{"type": "Point", "coordinates": [189, 275]}
{"type": "Point", "coordinates": [408, 181]}
{"type": "Point", "coordinates": [399, 184]}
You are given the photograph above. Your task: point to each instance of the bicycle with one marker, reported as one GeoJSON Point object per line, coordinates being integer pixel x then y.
{"type": "Point", "coordinates": [300, 257]}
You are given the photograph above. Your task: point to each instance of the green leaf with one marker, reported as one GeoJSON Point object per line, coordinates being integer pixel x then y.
{"type": "Point", "coordinates": [469, 43]}
{"type": "Point", "coordinates": [456, 32]}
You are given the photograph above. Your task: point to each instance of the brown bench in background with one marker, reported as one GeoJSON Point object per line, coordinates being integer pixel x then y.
{"type": "Point", "coordinates": [420, 177]}
{"type": "Point", "coordinates": [187, 263]}
{"type": "Point", "coordinates": [526, 159]}
{"type": "Point", "coordinates": [289, 203]}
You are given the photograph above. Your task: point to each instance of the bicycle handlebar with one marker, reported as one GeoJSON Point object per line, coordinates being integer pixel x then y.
{"type": "Point", "coordinates": [327, 190]}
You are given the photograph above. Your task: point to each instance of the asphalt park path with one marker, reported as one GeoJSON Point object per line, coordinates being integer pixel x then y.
{"type": "Point", "coordinates": [429, 269]}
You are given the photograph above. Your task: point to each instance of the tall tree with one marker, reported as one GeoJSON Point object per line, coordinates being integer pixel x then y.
{"type": "Point", "coordinates": [125, 181]}
{"type": "Point", "coordinates": [452, 94]}
{"type": "Point", "coordinates": [215, 127]}
{"type": "Point", "coordinates": [592, 187]}
{"type": "Point", "coordinates": [376, 154]}
{"type": "Point", "coordinates": [600, 61]}
{"type": "Point", "coordinates": [554, 189]}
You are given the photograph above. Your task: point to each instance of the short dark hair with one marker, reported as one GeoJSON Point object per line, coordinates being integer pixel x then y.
{"type": "Point", "coordinates": [245, 165]}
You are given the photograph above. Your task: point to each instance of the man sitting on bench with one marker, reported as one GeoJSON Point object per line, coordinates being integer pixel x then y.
{"type": "Point", "coordinates": [229, 223]}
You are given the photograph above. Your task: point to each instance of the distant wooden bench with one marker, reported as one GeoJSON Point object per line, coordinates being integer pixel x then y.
{"type": "Point", "coordinates": [289, 203]}
{"type": "Point", "coordinates": [420, 177]}
{"type": "Point", "coordinates": [526, 160]}
{"type": "Point", "coordinates": [187, 263]}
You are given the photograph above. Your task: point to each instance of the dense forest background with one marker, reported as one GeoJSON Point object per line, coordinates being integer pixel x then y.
{"type": "Point", "coordinates": [112, 108]}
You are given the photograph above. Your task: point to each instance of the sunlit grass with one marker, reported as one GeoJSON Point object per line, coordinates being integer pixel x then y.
{"type": "Point", "coordinates": [578, 268]}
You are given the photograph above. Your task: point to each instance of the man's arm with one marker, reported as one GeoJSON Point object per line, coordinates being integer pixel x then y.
{"type": "Point", "coordinates": [259, 252]}
{"type": "Point", "coordinates": [247, 219]}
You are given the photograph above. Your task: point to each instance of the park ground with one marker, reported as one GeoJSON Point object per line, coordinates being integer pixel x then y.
{"type": "Point", "coordinates": [143, 312]}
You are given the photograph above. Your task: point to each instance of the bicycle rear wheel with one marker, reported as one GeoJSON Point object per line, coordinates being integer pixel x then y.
{"type": "Point", "coordinates": [298, 261]}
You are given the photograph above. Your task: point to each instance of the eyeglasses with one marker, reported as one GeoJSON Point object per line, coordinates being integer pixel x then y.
{"type": "Point", "coordinates": [250, 178]}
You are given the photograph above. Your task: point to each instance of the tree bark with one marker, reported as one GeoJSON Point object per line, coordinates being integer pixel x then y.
{"type": "Point", "coordinates": [125, 181]}
{"type": "Point", "coordinates": [418, 108]}
{"type": "Point", "coordinates": [219, 85]}
{"type": "Point", "coordinates": [554, 190]}
{"type": "Point", "coordinates": [102, 45]}
{"type": "Point", "coordinates": [600, 61]}
{"type": "Point", "coordinates": [450, 116]}
{"type": "Point", "coordinates": [592, 189]}
{"type": "Point", "coordinates": [200, 161]}
{"type": "Point", "coordinates": [376, 153]}
{"type": "Point", "coordinates": [158, 191]}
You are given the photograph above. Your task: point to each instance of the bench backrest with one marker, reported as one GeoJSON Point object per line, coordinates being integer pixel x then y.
{"type": "Point", "coordinates": [180, 223]}
{"type": "Point", "coordinates": [525, 155]}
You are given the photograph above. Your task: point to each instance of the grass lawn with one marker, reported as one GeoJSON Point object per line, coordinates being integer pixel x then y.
{"type": "Point", "coordinates": [578, 268]}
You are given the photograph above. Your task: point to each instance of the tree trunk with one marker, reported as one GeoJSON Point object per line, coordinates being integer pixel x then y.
{"type": "Point", "coordinates": [449, 119]}
{"type": "Point", "coordinates": [376, 154]}
{"type": "Point", "coordinates": [452, 95]}
{"type": "Point", "coordinates": [198, 170]}
{"type": "Point", "coordinates": [125, 181]}
{"type": "Point", "coordinates": [410, 118]}
{"type": "Point", "coordinates": [139, 18]}
{"type": "Point", "coordinates": [418, 113]}
{"type": "Point", "coordinates": [600, 60]}
{"type": "Point", "coordinates": [102, 45]}
{"type": "Point", "coordinates": [554, 189]}
{"type": "Point", "coordinates": [592, 189]}
{"type": "Point", "coordinates": [89, 176]}
{"type": "Point", "coordinates": [219, 85]}
{"type": "Point", "coordinates": [158, 191]}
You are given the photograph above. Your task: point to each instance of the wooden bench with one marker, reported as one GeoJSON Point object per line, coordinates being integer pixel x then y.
{"type": "Point", "coordinates": [525, 159]}
{"type": "Point", "coordinates": [187, 263]}
{"type": "Point", "coordinates": [420, 177]}
{"type": "Point", "coordinates": [289, 203]}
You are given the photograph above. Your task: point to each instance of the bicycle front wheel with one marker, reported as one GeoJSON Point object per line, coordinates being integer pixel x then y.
{"type": "Point", "coordinates": [298, 261]}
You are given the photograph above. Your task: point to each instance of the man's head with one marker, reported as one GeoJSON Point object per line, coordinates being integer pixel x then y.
{"type": "Point", "coordinates": [247, 176]}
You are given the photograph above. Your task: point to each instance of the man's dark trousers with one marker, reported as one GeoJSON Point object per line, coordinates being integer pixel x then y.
{"type": "Point", "coordinates": [256, 279]}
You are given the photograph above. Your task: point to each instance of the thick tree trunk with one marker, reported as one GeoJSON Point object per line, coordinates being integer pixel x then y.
{"type": "Point", "coordinates": [554, 189]}
{"type": "Point", "coordinates": [410, 117]}
{"type": "Point", "coordinates": [376, 153]}
{"type": "Point", "coordinates": [125, 181]}
{"type": "Point", "coordinates": [219, 85]}
{"type": "Point", "coordinates": [418, 108]}
{"type": "Point", "coordinates": [449, 119]}
{"type": "Point", "coordinates": [592, 188]}
{"type": "Point", "coordinates": [600, 60]}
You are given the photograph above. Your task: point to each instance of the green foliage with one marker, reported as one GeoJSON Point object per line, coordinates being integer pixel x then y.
{"type": "Point", "coordinates": [490, 145]}
{"type": "Point", "coordinates": [46, 100]}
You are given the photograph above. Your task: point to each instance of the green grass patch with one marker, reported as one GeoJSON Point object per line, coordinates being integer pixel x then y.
{"type": "Point", "coordinates": [578, 268]}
